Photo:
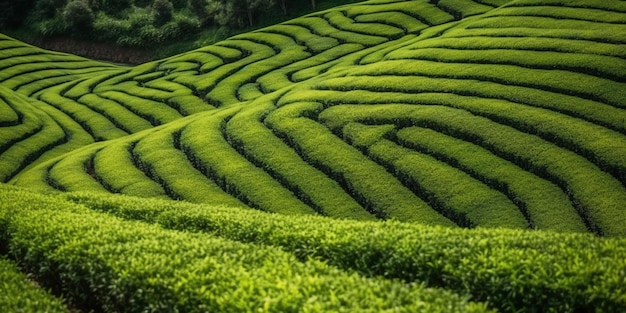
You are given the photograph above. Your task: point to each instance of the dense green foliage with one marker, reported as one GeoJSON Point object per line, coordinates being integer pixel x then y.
{"type": "Point", "coordinates": [348, 113]}
{"type": "Point", "coordinates": [20, 295]}
{"type": "Point", "coordinates": [511, 270]}
{"type": "Point", "coordinates": [144, 23]}
{"type": "Point", "coordinates": [102, 263]}
{"type": "Point", "coordinates": [435, 135]}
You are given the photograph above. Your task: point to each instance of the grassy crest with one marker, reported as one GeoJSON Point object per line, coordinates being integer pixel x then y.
{"type": "Point", "coordinates": [435, 117]}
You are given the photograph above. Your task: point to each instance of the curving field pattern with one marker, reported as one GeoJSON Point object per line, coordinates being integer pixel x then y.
{"type": "Point", "coordinates": [473, 113]}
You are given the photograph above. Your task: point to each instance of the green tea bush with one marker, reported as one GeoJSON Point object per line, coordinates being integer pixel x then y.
{"type": "Point", "coordinates": [170, 164]}
{"type": "Point", "coordinates": [397, 19]}
{"type": "Point", "coordinates": [157, 113]}
{"type": "Point", "coordinates": [83, 177]}
{"type": "Point", "coordinates": [596, 193]}
{"type": "Point", "coordinates": [598, 15]}
{"type": "Point", "coordinates": [125, 177]}
{"type": "Point", "coordinates": [312, 41]}
{"type": "Point", "coordinates": [445, 188]}
{"type": "Point", "coordinates": [284, 164]}
{"type": "Point", "coordinates": [122, 117]}
{"type": "Point", "coordinates": [322, 27]}
{"type": "Point", "coordinates": [21, 295]}
{"type": "Point", "coordinates": [92, 120]}
{"type": "Point", "coordinates": [512, 270]}
{"type": "Point", "coordinates": [424, 11]}
{"type": "Point", "coordinates": [463, 8]}
{"type": "Point", "coordinates": [370, 184]}
{"type": "Point", "coordinates": [548, 207]}
{"type": "Point", "coordinates": [340, 21]}
{"type": "Point", "coordinates": [238, 177]}
{"type": "Point", "coordinates": [100, 262]}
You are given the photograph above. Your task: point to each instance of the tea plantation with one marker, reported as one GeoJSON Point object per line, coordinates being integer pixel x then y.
{"type": "Point", "coordinates": [383, 156]}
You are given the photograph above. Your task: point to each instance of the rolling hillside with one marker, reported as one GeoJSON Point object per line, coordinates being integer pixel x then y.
{"type": "Point", "coordinates": [436, 117]}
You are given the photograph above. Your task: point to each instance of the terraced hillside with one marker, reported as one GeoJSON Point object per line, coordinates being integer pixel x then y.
{"type": "Point", "coordinates": [433, 116]}
{"type": "Point", "coordinates": [439, 112]}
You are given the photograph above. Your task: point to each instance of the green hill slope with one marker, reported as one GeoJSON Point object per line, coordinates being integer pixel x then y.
{"type": "Point", "coordinates": [441, 114]}
{"type": "Point", "coordinates": [449, 113]}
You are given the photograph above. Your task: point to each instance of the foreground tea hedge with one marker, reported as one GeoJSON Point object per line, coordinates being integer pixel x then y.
{"type": "Point", "coordinates": [21, 295]}
{"type": "Point", "coordinates": [103, 263]}
{"type": "Point", "coordinates": [509, 269]}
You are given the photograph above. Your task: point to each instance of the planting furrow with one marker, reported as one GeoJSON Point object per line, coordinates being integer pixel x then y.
{"type": "Point", "coordinates": [391, 73]}
{"type": "Point", "coordinates": [589, 38]}
{"type": "Point", "coordinates": [9, 116]}
{"type": "Point", "coordinates": [155, 97]}
{"type": "Point", "coordinates": [428, 90]}
{"type": "Point", "coordinates": [563, 13]}
{"type": "Point", "coordinates": [322, 27]}
{"type": "Point", "coordinates": [211, 82]}
{"type": "Point", "coordinates": [153, 112]}
{"type": "Point", "coordinates": [396, 19]}
{"type": "Point", "coordinates": [544, 23]}
{"type": "Point", "coordinates": [285, 52]}
{"type": "Point", "coordinates": [98, 125]}
{"type": "Point", "coordinates": [313, 43]}
{"type": "Point", "coordinates": [340, 20]}
{"type": "Point", "coordinates": [21, 120]}
{"type": "Point", "coordinates": [599, 145]}
{"type": "Point", "coordinates": [423, 11]}
{"type": "Point", "coordinates": [601, 67]}
{"type": "Point", "coordinates": [531, 41]}
{"type": "Point", "coordinates": [317, 64]}
{"type": "Point", "coordinates": [462, 8]}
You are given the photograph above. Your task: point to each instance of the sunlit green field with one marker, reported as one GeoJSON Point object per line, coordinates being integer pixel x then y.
{"type": "Point", "coordinates": [389, 155]}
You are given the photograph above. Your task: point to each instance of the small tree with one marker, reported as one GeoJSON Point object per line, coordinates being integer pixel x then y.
{"type": "Point", "coordinates": [162, 10]}
{"type": "Point", "coordinates": [78, 15]}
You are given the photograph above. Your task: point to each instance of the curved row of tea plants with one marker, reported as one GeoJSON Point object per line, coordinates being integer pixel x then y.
{"type": "Point", "coordinates": [98, 262]}
{"type": "Point", "coordinates": [347, 113]}
{"type": "Point", "coordinates": [511, 270]}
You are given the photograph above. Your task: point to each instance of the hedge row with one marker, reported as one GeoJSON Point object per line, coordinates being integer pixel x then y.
{"type": "Point", "coordinates": [163, 156]}
{"type": "Point", "coordinates": [512, 270]}
{"type": "Point", "coordinates": [204, 143]}
{"type": "Point", "coordinates": [284, 164]}
{"type": "Point", "coordinates": [597, 195]}
{"type": "Point", "coordinates": [102, 263]}
{"type": "Point", "coordinates": [454, 193]}
{"type": "Point", "coordinates": [370, 184]}
{"type": "Point", "coordinates": [20, 295]}
{"type": "Point", "coordinates": [546, 205]}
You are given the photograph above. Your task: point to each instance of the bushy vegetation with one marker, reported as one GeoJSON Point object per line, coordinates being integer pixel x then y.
{"type": "Point", "coordinates": [143, 23]}
{"type": "Point", "coordinates": [21, 295]}
{"type": "Point", "coordinates": [99, 262]}
{"type": "Point", "coordinates": [415, 155]}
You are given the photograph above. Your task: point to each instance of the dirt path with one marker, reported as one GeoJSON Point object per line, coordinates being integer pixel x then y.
{"type": "Point", "coordinates": [95, 50]}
